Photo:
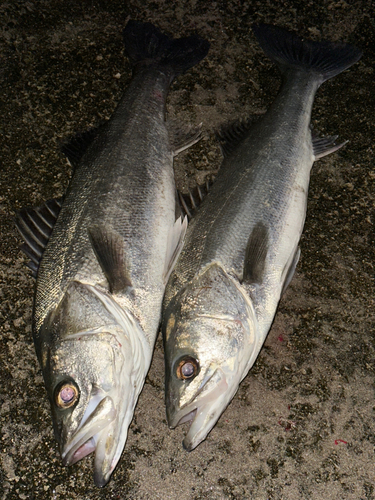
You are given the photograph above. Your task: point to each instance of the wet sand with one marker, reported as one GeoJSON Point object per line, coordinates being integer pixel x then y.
{"type": "Point", "coordinates": [302, 423]}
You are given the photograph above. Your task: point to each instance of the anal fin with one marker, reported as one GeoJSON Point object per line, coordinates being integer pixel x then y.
{"type": "Point", "coordinates": [323, 146]}
{"type": "Point", "coordinates": [181, 139]}
{"type": "Point", "coordinates": [109, 248]}
{"type": "Point", "coordinates": [174, 245]}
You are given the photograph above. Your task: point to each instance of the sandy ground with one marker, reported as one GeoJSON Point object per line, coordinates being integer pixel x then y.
{"type": "Point", "coordinates": [302, 423]}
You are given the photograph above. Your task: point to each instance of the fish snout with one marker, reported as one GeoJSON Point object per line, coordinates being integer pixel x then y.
{"type": "Point", "coordinates": [171, 414]}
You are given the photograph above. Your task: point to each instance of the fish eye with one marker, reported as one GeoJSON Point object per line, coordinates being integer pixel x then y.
{"type": "Point", "coordinates": [187, 368]}
{"type": "Point", "coordinates": [66, 395]}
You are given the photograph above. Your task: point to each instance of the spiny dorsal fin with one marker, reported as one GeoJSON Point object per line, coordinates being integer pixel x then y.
{"type": "Point", "coordinates": [191, 201]}
{"type": "Point", "coordinates": [256, 254]}
{"type": "Point", "coordinates": [181, 139]}
{"type": "Point", "coordinates": [323, 146]}
{"type": "Point", "coordinates": [77, 145]}
{"type": "Point", "coordinates": [174, 245]}
{"type": "Point", "coordinates": [35, 226]}
{"type": "Point", "coordinates": [109, 248]}
{"type": "Point", "coordinates": [231, 134]}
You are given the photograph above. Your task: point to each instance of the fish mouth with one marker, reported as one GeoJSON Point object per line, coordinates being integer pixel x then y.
{"type": "Point", "coordinates": [103, 429]}
{"type": "Point", "coordinates": [202, 411]}
{"type": "Point", "coordinates": [97, 432]}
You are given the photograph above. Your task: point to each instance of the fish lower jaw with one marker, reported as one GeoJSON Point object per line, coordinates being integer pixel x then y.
{"type": "Point", "coordinates": [188, 417]}
{"type": "Point", "coordinates": [73, 454]}
{"type": "Point", "coordinates": [91, 432]}
{"type": "Point", "coordinates": [83, 451]}
{"type": "Point", "coordinates": [103, 465]}
{"type": "Point", "coordinates": [195, 419]}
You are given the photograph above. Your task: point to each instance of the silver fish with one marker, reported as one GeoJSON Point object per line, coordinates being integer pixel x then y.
{"type": "Point", "coordinates": [241, 247]}
{"type": "Point", "coordinates": [103, 265]}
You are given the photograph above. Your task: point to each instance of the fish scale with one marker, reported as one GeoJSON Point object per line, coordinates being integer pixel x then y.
{"type": "Point", "coordinates": [254, 186]}
{"type": "Point", "coordinates": [242, 244]}
{"type": "Point", "coordinates": [140, 176]}
{"type": "Point", "coordinates": [102, 266]}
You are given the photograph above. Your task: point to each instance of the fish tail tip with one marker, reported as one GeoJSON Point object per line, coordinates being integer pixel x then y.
{"type": "Point", "coordinates": [287, 50]}
{"type": "Point", "coordinates": [146, 44]}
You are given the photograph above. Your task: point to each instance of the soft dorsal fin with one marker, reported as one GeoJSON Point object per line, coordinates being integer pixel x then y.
{"type": "Point", "coordinates": [174, 245]}
{"type": "Point", "coordinates": [35, 226]}
{"type": "Point", "coordinates": [323, 146]}
{"type": "Point", "coordinates": [182, 138]}
{"type": "Point", "coordinates": [231, 134]}
{"type": "Point", "coordinates": [290, 269]}
{"type": "Point", "coordinates": [191, 201]}
{"type": "Point", "coordinates": [256, 254]}
{"type": "Point", "coordinates": [109, 248]}
{"type": "Point", "coordinates": [78, 144]}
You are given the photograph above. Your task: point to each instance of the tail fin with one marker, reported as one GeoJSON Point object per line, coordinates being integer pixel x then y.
{"type": "Point", "coordinates": [287, 50]}
{"type": "Point", "coordinates": [146, 44]}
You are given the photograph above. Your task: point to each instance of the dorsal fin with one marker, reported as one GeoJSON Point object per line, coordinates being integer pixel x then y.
{"type": "Point", "coordinates": [35, 226]}
{"type": "Point", "coordinates": [109, 248]}
{"type": "Point", "coordinates": [256, 254]}
{"type": "Point", "coordinates": [192, 200]}
{"type": "Point", "coordinates": [231, 134]}
{"type": "Point", "coordinates": [76, 146]}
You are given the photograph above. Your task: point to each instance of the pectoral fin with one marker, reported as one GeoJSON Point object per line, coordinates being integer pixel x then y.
{"type": "Point", "coordinates": [256, 254]}
{"type": "Point", "coordinates": [174, 246]}
{"type": "Point", "coordinates": [109, 248]}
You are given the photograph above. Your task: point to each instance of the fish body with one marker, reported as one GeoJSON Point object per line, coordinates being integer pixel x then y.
{"type": "Point", "coordinates": [241, 247]}
{"type": "Point", "coordinates": [102, 273]}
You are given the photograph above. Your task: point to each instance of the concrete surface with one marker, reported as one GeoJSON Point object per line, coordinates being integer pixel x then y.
{"type": "Point", "coordinates": [302, 424]}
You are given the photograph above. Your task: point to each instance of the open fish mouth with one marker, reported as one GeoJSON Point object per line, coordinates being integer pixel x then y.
{"type": "Point", "coordinates": [202, 419]}
{"type": "Point", "coordinates": [189, 417]}
{"type": "Point", "coordinates": [203, 411]}
{"type": "Point", "coordinates": [103, 428]}
{"type": "Point", "coordinates": [95, 433]}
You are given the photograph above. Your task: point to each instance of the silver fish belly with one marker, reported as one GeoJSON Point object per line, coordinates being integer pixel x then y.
{"type": "Point", "coordinates": [241, 247]}
{"type": "Point", "coordinates": [102, 274]}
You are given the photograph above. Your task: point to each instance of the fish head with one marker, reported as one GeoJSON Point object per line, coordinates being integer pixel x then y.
{"type": "Point", "coordinates": [210, 341]}
{"type": "Point", "coordinates": [94, 364]}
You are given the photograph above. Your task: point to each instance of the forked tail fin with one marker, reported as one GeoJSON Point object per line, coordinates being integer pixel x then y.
{"type": "Point", "coordinates": [288, 51]}
{"type": "Point", "coordinates": [146, 44]}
